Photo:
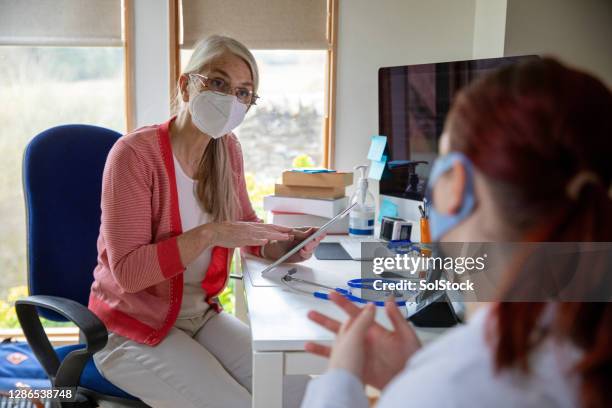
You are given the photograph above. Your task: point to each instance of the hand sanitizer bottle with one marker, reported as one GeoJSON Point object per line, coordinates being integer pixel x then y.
{"type": "Point", "coordinates": [361, 218]}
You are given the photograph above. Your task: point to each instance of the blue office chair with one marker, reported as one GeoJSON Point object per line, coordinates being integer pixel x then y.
{"type": "Point", "coordinates": [62, 180]}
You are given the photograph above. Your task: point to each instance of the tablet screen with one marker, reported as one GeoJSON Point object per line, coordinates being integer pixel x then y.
{"type": "Point", "coordinates": [301, 245]}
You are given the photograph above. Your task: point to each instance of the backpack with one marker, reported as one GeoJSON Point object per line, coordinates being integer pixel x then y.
{"type": "Point", "coordinates": [19, 368]}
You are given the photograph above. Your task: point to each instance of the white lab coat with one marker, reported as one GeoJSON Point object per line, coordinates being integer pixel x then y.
{"type": "Point", "coordinates": [457, 371]}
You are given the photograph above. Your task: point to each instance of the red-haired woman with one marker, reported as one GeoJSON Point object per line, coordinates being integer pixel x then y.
{"type": "Point", "coordinates": [525, 156]}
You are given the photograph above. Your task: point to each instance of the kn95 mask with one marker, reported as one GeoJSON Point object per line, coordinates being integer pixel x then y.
{"type": "Point", "coordinates": [216, 114]}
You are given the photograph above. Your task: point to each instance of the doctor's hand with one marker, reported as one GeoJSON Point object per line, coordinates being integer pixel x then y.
{"type": "Point", "coordinates": [349, 351]}
{"type": "Point", "coordinates": [275, 250]}
{"type": "Point", "coordinates": [384, 352]}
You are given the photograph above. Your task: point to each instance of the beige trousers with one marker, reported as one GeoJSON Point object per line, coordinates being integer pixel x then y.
{"type": "Point", "coordinates": [203, 362]}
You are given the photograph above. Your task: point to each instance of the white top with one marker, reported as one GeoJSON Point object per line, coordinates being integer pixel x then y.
{"type": "Point", "coordinates": [457, 371]}
{"type": "Point", "coordinates": [192, 216]}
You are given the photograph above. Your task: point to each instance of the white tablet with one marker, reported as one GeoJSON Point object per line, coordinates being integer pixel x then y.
{"type": "Point", "coordinates": [301, 245]}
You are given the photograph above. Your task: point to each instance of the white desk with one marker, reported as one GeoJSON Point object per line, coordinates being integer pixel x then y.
{"type": "Point", "coordinates": [280, 327]}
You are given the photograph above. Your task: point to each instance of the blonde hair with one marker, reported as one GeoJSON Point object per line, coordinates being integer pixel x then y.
{"type": "Point", "coordinates": [215, 189]}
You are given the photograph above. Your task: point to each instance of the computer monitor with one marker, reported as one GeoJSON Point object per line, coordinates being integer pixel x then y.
{"type": "Point", "coordinates": [413, 102]}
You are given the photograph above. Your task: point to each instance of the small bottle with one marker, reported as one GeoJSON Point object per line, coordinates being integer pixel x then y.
{"type": "Point", "coordinates": [361, 218]}
{"type": "Point", "coordinates": [425, 232]}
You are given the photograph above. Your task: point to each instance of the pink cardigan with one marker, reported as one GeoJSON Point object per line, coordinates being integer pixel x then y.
{"type": "Point", "coordinates": [138, 282]}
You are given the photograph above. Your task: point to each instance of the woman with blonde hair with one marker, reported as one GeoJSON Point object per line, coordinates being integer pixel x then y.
{"type": "Point", "coordinates": [174, 206]}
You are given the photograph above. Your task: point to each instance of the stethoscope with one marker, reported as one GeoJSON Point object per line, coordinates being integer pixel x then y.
{"type": "Point", "coordinates": [358, 283]}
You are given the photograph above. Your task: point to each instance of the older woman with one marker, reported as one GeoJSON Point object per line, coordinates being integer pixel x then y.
{"type": "Point", "coordinates": [174, 205]}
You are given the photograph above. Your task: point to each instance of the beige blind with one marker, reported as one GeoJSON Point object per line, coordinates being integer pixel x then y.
{"type": "Point", "coordinates": [259, 24]}
{"type": "Point", "coordinates": [60, 22]}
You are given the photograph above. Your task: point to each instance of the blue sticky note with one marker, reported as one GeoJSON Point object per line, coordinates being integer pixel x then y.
{"type": "Point", "coordinates": [387, 209]}
{"type": "Point", "coordinates": [377, 167]}
{"type": "Point", "coordinates": [311, 170]}
{"type": "Point", "coordinates": [377, 148]}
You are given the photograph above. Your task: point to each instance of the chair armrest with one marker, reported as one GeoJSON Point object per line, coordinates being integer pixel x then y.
{"type": "Point", "coordinates": [68, 373]}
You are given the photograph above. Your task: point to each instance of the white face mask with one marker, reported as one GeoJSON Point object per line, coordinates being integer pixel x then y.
{"type": "Point", "coordinates": [216, 114]}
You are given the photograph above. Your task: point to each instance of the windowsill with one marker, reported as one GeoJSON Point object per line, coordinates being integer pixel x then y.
{"type": "Point", "coordinates": [59, 336]}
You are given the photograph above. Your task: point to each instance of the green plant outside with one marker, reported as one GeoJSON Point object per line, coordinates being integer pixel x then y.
{"type": "Point", "coordinates": [303, 161]}
{"type": "Point", "coordinates": [8, 317]}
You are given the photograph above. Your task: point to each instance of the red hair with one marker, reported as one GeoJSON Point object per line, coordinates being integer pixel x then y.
{"type": "Point", "coordinates": [530, 129]}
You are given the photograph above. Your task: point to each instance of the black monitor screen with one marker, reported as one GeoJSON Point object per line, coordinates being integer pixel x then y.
{"type": "Point", "coordinates": [413, 103]}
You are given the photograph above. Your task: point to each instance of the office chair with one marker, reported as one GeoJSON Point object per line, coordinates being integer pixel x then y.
{"type": "Point", "coordinates": [62, 181]}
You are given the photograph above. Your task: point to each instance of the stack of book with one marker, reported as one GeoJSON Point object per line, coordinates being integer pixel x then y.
{"type": "Point", "coordinates": [309, 199]}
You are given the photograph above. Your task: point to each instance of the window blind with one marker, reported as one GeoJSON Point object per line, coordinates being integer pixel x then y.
{"type": "Point", "coordinates": [60, 22]}
{"type": "Point", "coordinates": [259, 24]}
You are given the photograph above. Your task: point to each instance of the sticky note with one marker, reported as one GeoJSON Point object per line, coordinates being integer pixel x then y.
{"type": "Point", "coordinates": [312, 170]}
{"type": "Point", "coordinates": [377, 148]}
{"type": "Point", "coordinates": [387, 209]}
{"type": "Point", "coordinates": [377, 167]}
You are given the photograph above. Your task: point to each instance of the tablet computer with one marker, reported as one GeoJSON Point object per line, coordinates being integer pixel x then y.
{"type": "Point", "coordinates": [301, 245]}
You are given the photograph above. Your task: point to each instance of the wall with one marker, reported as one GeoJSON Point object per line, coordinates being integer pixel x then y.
{"type": "Point", "coordinates": [489, 28]}
{"type": "Point", "coordinates": [579, 32]}
{"type": "Point", "coordinates": [374, 34]}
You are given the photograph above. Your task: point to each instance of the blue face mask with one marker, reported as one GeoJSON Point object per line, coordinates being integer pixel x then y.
{"type": "Point", "coordinates": [440, 224]}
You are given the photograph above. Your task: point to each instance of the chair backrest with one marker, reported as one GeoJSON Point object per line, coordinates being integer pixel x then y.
{"type": "Point", "coordinates": [62, 182]}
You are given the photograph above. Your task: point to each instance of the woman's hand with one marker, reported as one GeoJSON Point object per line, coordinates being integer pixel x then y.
{"type": "Point", "coordinates": [349, 349]}
{"type": "Point", "coordinates": [229, 235]}
{"type": "Point", "coordinates": [240, 234]}
{"type": "Point", "coordinates": [275, 250]}
{"type": "Point", "coordinates": [375, 354]}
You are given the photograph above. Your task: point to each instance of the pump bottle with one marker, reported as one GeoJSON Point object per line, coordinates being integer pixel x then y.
{"type": "Point", "coordinates": [361, 218]}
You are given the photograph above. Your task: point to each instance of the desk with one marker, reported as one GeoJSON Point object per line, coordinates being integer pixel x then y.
{"type": "Point", "coordinates": [280, 327]}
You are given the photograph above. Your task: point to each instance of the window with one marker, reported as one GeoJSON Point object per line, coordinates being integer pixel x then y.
{"type": "Point", "coordinates": [285, 128]}
{"type": "Point", "coordinates": [293, 42]}
{"type": "Point", "coordinates": [42, 87]}
{"type": "Point", "coordinates": [63, 67]}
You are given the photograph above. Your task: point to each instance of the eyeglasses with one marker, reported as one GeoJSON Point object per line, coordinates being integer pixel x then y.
{"type": "Point", "coordinates": [215, 84]}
